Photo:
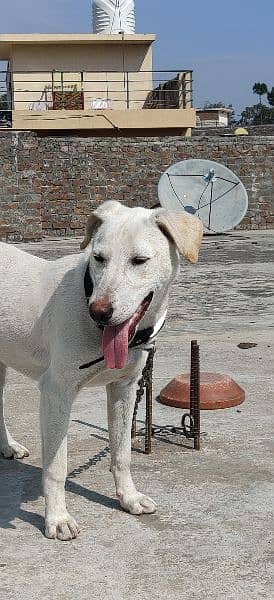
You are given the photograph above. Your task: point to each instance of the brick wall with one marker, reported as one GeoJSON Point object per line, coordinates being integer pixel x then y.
{"type": "Point", "coordinates": [20, 190]}
{"type": "Point", "coordinates": [253, 130]}
{"type": "Point", "coordinates": [48, 185]}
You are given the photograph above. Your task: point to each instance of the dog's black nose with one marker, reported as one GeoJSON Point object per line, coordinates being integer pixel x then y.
{"type": "Point", "coordinates": [101, 311]}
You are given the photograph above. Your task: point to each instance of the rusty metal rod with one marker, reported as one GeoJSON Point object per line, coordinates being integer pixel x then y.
{"type": "Point", "coordinates": [196, 394]}
{"type": "Point", "coordinates": [192, 383]}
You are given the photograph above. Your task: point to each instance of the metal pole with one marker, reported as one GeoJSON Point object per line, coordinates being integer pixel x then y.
{"type": "Point", "coordinates": [192, 382]}
{"type": "Point", "coordinates": [133, 425]}
{"type": "Point", "coordinates": [127, 80]}
{"type": "Point", "coordinates": [196, 405]}
{"type": "Point", "coordinates": [62, 87]}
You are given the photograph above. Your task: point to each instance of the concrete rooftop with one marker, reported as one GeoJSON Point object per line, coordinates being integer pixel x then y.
{"type": "Point", "coordinates": [211, 536]}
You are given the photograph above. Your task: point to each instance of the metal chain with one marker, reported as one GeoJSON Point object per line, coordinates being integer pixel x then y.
{"type": "Point", "coordinates": [142, 383]}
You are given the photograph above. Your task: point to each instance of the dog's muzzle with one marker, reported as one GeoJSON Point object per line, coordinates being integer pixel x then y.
{"type": "Point", "coordinates": [101, 312]}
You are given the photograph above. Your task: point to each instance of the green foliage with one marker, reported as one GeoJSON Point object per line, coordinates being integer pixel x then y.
{"type": "Point", "coordinates": [260, 89]}
{"type": "Point", "coordinates": [259, 114]}
{"type": "Point", "coordinates": [232, 121]}
{"type": "Point", "coordinates": [270, 97]}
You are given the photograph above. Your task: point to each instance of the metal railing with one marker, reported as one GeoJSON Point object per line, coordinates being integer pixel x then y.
{"type": "Point", "coordinates": [116, 90]}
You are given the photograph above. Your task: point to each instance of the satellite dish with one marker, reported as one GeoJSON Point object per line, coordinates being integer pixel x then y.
{"type": "Point", "coordinates": [206, 189]}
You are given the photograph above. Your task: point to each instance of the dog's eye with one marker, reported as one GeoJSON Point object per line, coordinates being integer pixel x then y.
{"type": "Point", "coordinates": [99, 258]}
{"type": "Point", "coordinates": [139, 260]}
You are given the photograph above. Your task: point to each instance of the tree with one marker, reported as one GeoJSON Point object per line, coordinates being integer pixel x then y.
{"type": "Point", "coordinates": [270, 97]}
{"type": "Point", "coordinates": [260, 89]}
{"type": "Point", "coordinates": [257, 115]}
{"type": "Point", "coordinates": [232, 121]}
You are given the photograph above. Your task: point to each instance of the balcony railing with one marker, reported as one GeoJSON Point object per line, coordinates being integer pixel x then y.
{"type": "Point", "coordinates": [112, 90]}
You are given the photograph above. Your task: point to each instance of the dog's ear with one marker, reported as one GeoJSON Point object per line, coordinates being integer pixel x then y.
{"type": "Point", "coordinates": [185, 230]}
{"type": "Point", "coordinates": [97, 217]}
{"type": "Point", "coordinates": [92, 223]}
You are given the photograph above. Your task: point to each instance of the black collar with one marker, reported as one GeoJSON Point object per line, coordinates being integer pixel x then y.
{"type": "Point", "coordinates": [88, 285]}
{"type": "Point", "coordinates": [142, 337]}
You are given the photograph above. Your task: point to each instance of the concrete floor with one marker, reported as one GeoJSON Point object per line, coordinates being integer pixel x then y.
{"type": "Point", "coordinates": [211, 536]}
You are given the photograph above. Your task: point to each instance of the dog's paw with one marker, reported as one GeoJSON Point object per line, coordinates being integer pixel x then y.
{"type": "Point", "coordinates": [136, 504]}
{"type": "Point", "coordinates": [62, 528]}
{"type": "Point", "coordinates": [11, 449]}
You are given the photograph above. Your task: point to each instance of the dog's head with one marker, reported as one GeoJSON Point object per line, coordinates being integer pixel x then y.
{"type": "Point", "coordinates": [134, 256]}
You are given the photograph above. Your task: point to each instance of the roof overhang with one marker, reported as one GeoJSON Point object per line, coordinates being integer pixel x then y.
{"type": "Point", "coordinates": [216, 110]}
{"type": "Point", "coordinates": [8, 41]}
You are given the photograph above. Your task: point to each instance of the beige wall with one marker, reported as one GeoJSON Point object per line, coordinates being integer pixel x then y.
{"type": "Point", "coordinates": [82, 57]}
{"type": "Point", "coordinates": [31, 87]}
{"type": "Point", "coordinates": [106, 120]}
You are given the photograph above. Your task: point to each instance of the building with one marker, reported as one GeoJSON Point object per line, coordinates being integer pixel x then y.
{"type": "Point", "coordinates": [102, 83]}
{"type": "Point", "coordinates": [213, 117]}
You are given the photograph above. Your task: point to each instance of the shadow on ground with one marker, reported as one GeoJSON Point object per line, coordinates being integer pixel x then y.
{"type": "Point", "coordinates": [22, 483]}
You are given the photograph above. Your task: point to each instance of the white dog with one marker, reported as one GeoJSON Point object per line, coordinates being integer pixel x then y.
{"type": "Point", "coordinates": [89, 309]}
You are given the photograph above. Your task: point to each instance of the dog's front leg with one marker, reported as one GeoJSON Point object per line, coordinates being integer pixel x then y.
{"type": "Point", "coordinates": [55, 415]}
{"type": "Point", "coordinates": [121, 400]}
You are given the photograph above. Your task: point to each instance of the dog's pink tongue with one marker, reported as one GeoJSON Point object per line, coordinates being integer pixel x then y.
{"type": "Point", "coordinates": [115, 345]}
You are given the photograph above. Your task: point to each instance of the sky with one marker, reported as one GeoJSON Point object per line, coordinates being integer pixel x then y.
{"type": "Point", "coordinates": [229, 45]}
